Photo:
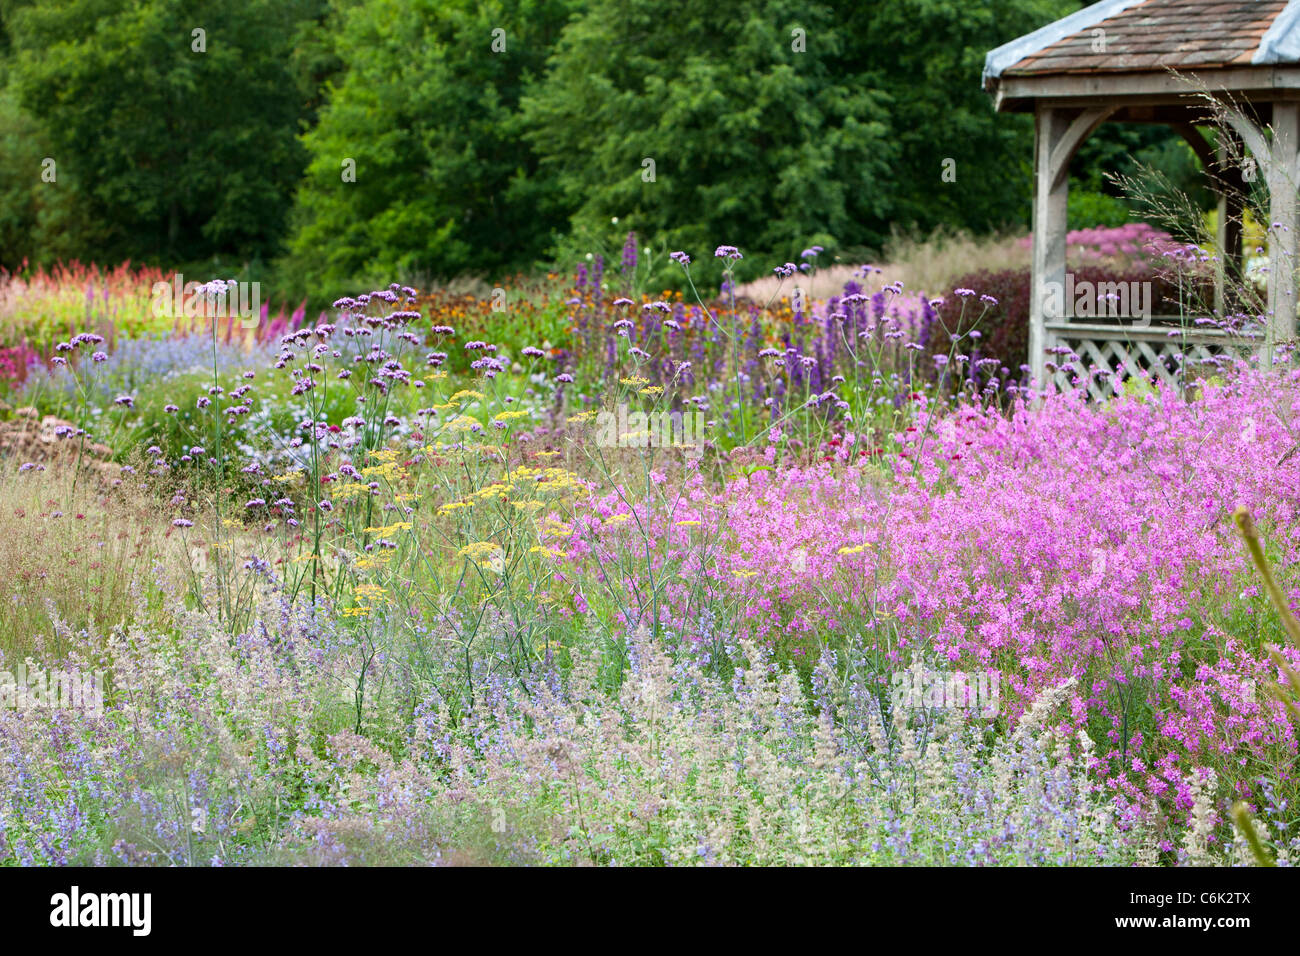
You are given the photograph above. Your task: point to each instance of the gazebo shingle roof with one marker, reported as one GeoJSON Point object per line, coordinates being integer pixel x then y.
{"type": "Point", "coordinates": [1153, 36]}
{"type": "Point", "coordinates": [1162, 33]}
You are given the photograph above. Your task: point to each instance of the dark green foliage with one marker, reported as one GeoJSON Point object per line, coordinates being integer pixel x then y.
{"type": "Point", "coordinates": [1089, 208]}
{"type": "Point", "coordinates": [772, 126]}
{"type": "Point", "coordinates": [427, 112]}
{"type": "Point", "coordinates": [169, 152]}
{"type": "Point", "coordinates": [928, 57]}
{"type": "Point", "coordinates": [753, 143]}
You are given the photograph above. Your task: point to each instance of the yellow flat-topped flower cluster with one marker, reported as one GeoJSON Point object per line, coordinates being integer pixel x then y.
{"type": "Point", "coordinates": [388, 468]}
{"type": "Point", "coordinates": [378, 559]}
{"type": "Point", "coordinates": [463, 423]}
{"type": "Point", "coordinates": [351, 489]}
{"type": "Point", "coordinates": [554, 528]}
{"type": "Point", "coordinates": [486, 554]}
{"type": "Point", "coordinates": [390, 528]}
{"type": "Point", "coordinates": [549, 480]}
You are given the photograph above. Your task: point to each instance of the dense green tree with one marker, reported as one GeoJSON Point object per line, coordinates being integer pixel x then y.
{"type": "Point", "coordinates": [757, 134]}
{"type": "Point", "coordinates": [426, 118]}
{"type": "Point", "coordinates": [177, 144]}
{"type": "Point", "coordinates": [929, 58]}
{"type": "Point", "coordinates": [317, 60]}
{"type": "Point", "coordinates": [931, 54]}
{"type": "Point", "coordinates": [483, 135]}
{"type": "Point", "coordinates": [40, 221]}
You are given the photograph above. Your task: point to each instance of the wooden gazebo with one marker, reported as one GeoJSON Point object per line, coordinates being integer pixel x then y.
{"type": "Point", "coordinates": [1185, 63]}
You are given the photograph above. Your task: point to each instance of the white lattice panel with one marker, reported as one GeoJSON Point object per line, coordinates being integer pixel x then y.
{"type": "Point", "coordinates": [1102, 359]}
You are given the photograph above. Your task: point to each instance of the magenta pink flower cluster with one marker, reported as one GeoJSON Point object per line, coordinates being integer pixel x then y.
{"type": "Point", "coordinates": [1066, 540]}
{"type": "Point", "coordinates": [1133, 240]}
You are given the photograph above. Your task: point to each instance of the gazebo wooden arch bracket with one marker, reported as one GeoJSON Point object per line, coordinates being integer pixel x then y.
{"type": "Point", "coordinates": [1127, 61]}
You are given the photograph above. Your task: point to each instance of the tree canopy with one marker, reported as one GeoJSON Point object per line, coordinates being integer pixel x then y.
{"type": "Point", "coordinates": [350, 140]}
{"type": "Point", "coordinates": [174, 123]}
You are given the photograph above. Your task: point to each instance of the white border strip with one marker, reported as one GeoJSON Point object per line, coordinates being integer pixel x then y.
{"type": "Point", "coordinates": [1281, 44]}
{"type": "Point", "coordinates": [1011, 53]}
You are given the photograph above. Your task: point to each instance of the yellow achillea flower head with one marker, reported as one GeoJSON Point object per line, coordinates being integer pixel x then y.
{"type": "Point", "coordinates": [368, 592]}
{"type": "Point", "coordinates": [494, 490]}
{"type": "Point", "coordinates": [745, 574]}
{"type": "Point", "coordinates": [635, 380]}
{"type": "Point", "coordinates": [555, 529]}
{"type": "Point", "coordinates": [351, 490]}
{"type": "Point", "coordinates": [688, 524]}
{"type": "Point", "coordinates": [856, 549]}
{"type": "Point", "coordinates": [463, 423]}
{"type": "Point", "coordinates": [390, 528]}
{"type": "Point", "coordinates": [388, 471]}
{"type": "Point", "coordinates": [548, 480]}
{"type": "Point", "coordinates": [486, 554]}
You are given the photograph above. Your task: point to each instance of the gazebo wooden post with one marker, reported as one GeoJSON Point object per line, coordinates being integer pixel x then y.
{"type": "Point", "coordinates": [1051, 198]}
{"type": "Point", "coordinates": [1057, 134]}
{"type": "Point", "coordinates": [1284, 229]}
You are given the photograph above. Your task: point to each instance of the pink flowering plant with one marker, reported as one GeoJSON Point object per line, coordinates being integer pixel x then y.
{"type": "Point", "coordinates": [555, 608]}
